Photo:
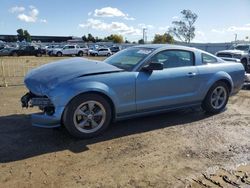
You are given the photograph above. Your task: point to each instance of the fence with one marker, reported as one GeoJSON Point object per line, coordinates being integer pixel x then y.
{"type": "Point", "coordinates": [13, 70]}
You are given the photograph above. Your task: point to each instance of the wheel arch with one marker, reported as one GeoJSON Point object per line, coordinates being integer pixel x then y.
{"type": "Point", "coordinates": [219, 76]}
{"type": "Point", "coordinates": [227, 83]}
{"type": "Point", "coordinates": [243, 59]}
{"type": "Point", "coordinates": [104, 95]}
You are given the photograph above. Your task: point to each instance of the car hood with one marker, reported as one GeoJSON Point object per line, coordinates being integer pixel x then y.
{"type": "Point", "coordinates": [40, 80]}
{"type": "Point", "coordinates": [232, 51]}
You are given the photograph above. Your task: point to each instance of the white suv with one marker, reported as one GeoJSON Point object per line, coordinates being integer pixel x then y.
{"type": "Point", "coordinates": [100, 52]}
{"type": "Point", "coordinates": [69, 50]}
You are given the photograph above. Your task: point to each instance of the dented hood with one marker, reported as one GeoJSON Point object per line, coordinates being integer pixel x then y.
{"type": "Point", "coordinates": [45, 77]}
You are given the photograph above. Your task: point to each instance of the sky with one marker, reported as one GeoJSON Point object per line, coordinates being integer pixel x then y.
{"type": "Point", "coordinates": [218, 20]}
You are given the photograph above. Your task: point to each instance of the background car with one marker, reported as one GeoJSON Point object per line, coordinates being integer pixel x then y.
{"type": "Point", "coordinates": [100, 52]}
{"type": "Point", "coordinates": [69, 50]}
{"type": "Point", "coordinates": [240, 51]}
{"type": "Point", "coordinates": [115, 49]}
{"type": "Point", "coordinates": [28, 51]}
{"type": "Point", "coordinates": [137, 81]}
{"type": "Point", "coordinates": [6, 51]}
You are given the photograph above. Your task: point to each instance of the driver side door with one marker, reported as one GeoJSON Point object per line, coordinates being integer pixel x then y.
{"type": "Point", "coordinates": [175, 85]}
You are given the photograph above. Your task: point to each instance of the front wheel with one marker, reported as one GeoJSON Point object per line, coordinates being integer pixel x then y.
{"type": "Point", "coordinates": [216, 98]}
{"type": "Point", "coordinates": [87, 115]}
{"type": "Point", "coordinates": [14, 54]}
{"type": "Point", "coordinates": [80, 53]}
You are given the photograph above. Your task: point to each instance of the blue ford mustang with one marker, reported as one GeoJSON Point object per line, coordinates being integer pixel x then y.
{"type": "Point", "coordinates": [85, 96]}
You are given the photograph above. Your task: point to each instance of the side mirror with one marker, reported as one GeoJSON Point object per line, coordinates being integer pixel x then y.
{"type": "Point", "coordinates": [153, 66]}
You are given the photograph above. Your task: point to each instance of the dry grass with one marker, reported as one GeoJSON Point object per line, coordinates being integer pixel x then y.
{"type": "Point", "coordinates": [13, 69]}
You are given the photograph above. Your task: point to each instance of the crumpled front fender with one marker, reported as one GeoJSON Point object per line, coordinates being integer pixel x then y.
{"type": "Point", "coordinates": [63, 94]}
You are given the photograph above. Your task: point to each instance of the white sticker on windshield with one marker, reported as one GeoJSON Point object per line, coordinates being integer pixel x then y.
{"type": "Point", "coordinates": [144, 51]}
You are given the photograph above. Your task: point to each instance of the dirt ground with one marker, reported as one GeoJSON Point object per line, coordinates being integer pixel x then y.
{"type": "Point", "coordinates": [185, 148]}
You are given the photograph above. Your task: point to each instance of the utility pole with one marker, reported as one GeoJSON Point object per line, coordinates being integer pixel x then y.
{"type": "Point", "coordinates": [144, 35]}
{"type": "Point", "coordinates": [235, 38]}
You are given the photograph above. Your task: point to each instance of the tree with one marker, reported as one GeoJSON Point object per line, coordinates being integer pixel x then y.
{"type": "Point", "coordinates": [23, 35]}
{"type": "Point", "coordinates": [141, 41]}
{"type": "Point", "coordinates": [184, 29]}
{"type": "Point", "coordinates": [165, 38]}
{"type": "Point", "coordinates": [91, 38]}
{"type": "Point", "coordinates": [84, 38]}
{"type": "Point", "coordinates": [127, 41]}
{"type": "Point", "coordinates": [27, 36]}
{"type": "Point", "coordinates": [114, 38]}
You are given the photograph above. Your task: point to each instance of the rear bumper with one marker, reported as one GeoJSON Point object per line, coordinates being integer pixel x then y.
{"type": "Point", "coordinates": [246, 85]}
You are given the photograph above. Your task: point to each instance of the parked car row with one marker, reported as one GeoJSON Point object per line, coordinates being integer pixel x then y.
{"type": "Point", "coordinates": [22, 51]}
{"type": "Point", "coordinates": [59, 50]}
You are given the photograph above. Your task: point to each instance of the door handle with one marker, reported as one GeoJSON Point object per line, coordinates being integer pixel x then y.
{"type": "Point", "coordinates": [191, 74]}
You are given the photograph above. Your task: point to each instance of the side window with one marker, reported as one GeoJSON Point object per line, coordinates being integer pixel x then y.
{"type": "Point", "coordinates": [208, 59]}
{"type": "Point", "coordinates": [71, 47]}
{"type": "Point", "coordinates": [66, 47]}
{"type": "Point", "coordinates": [174, 58]}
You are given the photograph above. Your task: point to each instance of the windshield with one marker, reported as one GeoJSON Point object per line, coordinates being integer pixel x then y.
{"type": "Point", "coordinates": [127, 59]}
{"type": "Point", "coordinates": [241, 47]}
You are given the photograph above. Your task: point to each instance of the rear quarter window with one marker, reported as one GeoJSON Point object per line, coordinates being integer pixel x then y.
{"type": "Point", "coordinates": [208, 59]}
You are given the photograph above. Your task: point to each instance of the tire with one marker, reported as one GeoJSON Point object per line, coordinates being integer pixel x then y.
{"type": "Point", "coordinates": [59, 54]}
{"type": "Point", "coordinates": [108, 54]}
{"type": "Point", "coordinates": [209, 104]}
{"type": "Point", "coordinates": [80, 53]}
{"type": "Point", "coordinates": [14, 54]}
{"type": "Point", "coordinates": [39, 55]}
{"type": "Point", "coordinates": [81, 117]}
{"type": "Point", "coordinates": [96, 54]}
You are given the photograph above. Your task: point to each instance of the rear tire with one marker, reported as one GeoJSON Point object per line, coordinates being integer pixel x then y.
{"type": "Point", "coordinates": [216, 98]}
{"type": "Point", "coordinates": [59, 54]}
{"type": "Point", "coordinates": [87, 115]}
{"type": "Point", "coordinates": [39, 55]}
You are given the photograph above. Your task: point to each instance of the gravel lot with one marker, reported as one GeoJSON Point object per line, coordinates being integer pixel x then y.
{"type": "Point", "coordinates": [168, 150]}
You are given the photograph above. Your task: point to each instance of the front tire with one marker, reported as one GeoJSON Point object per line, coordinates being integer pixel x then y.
{"type": "Point", "coordinates": [80, 53]}
{"type": "Point", "coordinates": [87, 115]}
{"type": "Point", "coordinates": [216, 98]}
{"type": "Point", "coordinates": [14, 54]}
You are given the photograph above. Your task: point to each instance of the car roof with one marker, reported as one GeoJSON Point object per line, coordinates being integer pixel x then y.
{"type": "Point", "coordinates": [165, 46]}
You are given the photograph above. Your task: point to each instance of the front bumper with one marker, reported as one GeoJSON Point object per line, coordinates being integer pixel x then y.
{"type": "Point", "coordinates": [47, 121]}
{"type": "Point", "coordinates": [49, 118]}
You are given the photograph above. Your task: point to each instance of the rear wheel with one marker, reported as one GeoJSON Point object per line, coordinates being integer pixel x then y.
{"type": "Point", "coordinates": [59, 54]}
{"type": "Point", "coordinates": [216, 98]}
{"type": "Point", "coordinates": [87, 115]}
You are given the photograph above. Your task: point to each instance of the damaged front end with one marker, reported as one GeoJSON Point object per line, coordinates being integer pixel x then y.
{"type": "Point", "coordinates": [48, 118]}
